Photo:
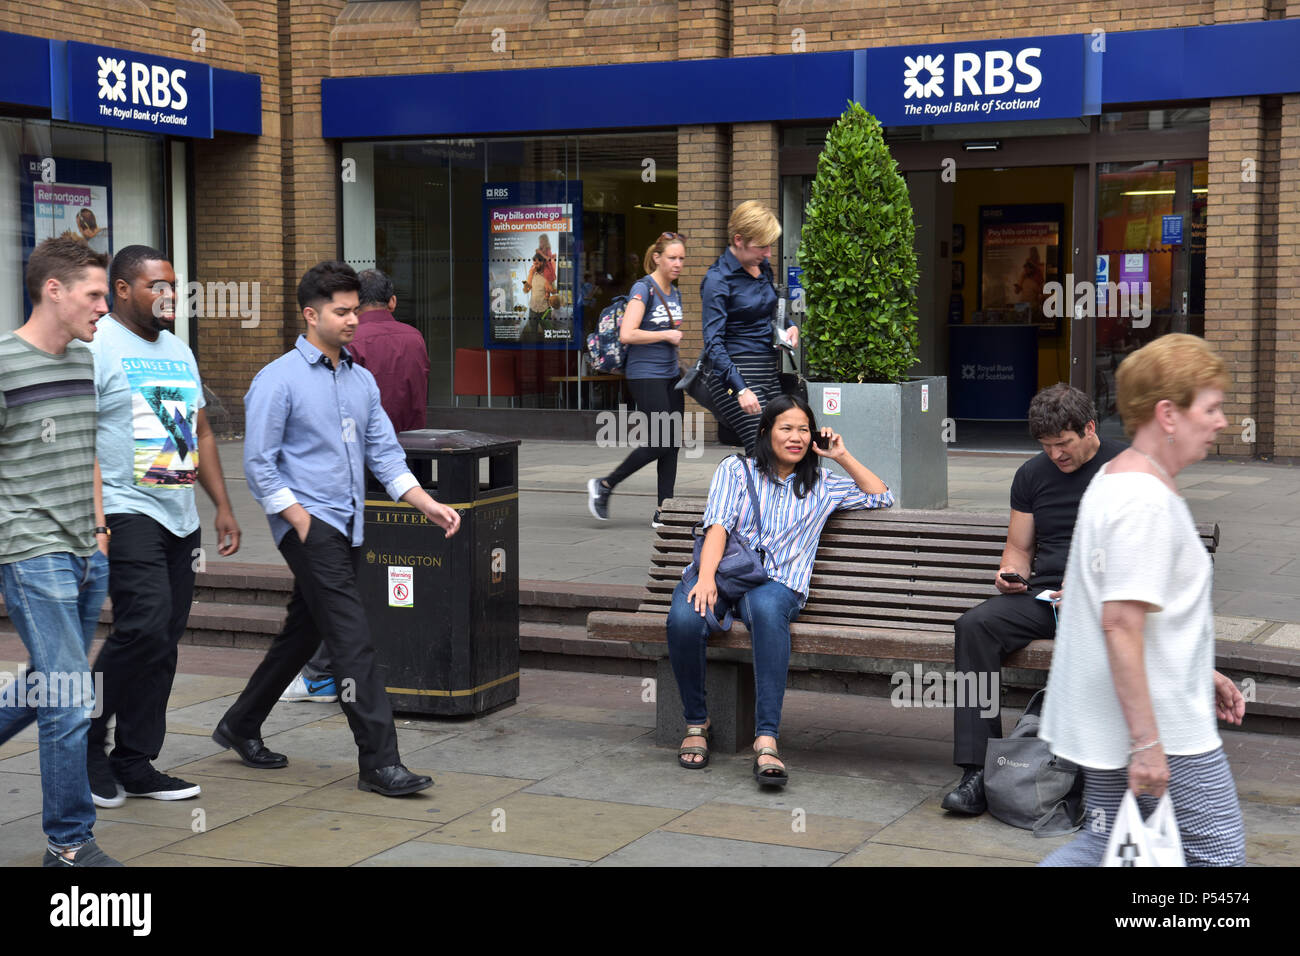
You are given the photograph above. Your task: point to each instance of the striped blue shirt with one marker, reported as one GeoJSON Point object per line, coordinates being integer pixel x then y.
{"type": "Point", "coordinates": [792, 526]}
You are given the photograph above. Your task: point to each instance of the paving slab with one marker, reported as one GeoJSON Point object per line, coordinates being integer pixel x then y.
{"type": "Point", "coordinates": [733, 821]}
{"type": "Point", "coordinates": [164, 858]}
{"type": "Point", "coordinates": [682, 849]}
{"type": "Point", "coordinates": [878, 802]}
{"type": "Point", "coordinates": [885, 854]}
{"type": "Point", "coordinates": [529, 755]}
{"type": "Point", "coordinates": [223, 800]}
{"type": "Point", "coordinates": [1240, 629]}
{"type": "Point", "coordinates": [643, 716]}
{"type": "Point", "coordinates": [644, 774]}
{"type": "Point", "coordinates": [22, 842]}
{"type": "Point", "coordinates": [929, 827]}
{"type": "Point", "coordinates": [20, 795]}
{"type": "Point", "coordinates": [881, 757]}
{"type": "Point", "coordinates": [203, 717]}
{"type": "Point", "coordinates": [190, 689]}
{"type": "Point", "coordinates": [452, 795]}
{"type": "Point", "coordinates": [1288, 635]}
{"type": "Point", "coordinates": [553, 826]}
{"type": "Point", "coordinates": [1272, 834]}
{"type": "Point", "coordinates": [296, 836]}
{"type": "Point", "coordinates": [418, 853]}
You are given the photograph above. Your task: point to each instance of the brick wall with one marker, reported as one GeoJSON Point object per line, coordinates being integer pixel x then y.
{"type": "Point", "coordinates": [1284, 351]}
{"type": "Point", "coordinates": [1234, 224]}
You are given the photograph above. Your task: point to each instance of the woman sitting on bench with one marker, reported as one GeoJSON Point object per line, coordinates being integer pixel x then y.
{"type": "Point", "coordinates": [795, 498]}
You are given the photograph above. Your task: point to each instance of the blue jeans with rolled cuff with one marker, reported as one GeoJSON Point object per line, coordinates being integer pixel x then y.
{"type": "Point", "coordinates": [54, 601]}
{"type": "Point", "coordinates": [767, 611]}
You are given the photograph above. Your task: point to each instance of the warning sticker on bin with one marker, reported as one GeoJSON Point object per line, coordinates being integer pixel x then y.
{"type": "Point", "coordinates": [401, 587]}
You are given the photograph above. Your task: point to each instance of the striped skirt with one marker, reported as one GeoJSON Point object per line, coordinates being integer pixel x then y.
{"type": "Point", "coordinates": [761, 372]}
{"type": "Point", "coordinates": [1205, 804]}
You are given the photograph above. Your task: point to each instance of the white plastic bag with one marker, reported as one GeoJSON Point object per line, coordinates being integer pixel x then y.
{"type": "Point", "coordinates": [1151, 842]}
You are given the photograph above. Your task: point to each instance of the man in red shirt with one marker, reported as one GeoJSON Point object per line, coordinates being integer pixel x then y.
{"type": "Point", "coordinates": [394, 353]}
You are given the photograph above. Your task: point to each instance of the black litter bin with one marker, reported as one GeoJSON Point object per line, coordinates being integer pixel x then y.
{"type": "Point", "coordinates": [444, 612]}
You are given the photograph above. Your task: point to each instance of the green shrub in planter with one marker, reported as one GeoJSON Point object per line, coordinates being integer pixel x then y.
{"type": "Point", "coordinates": [858, 258]}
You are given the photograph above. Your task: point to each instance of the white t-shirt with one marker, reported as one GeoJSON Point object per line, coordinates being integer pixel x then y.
{"type": "Point", "coordinates": [1134, 540]}
{"type": "Point", "coordinates": [149, 399]}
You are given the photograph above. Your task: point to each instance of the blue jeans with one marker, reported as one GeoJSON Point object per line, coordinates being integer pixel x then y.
{"type": "Point", "coordinates": [54, 601]}
{"type": "Point", "coordinates": [767, 611]}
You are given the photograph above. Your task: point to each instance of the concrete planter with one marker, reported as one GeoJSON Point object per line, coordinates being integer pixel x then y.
{"type": "Point", "coordinates": [886, 429]}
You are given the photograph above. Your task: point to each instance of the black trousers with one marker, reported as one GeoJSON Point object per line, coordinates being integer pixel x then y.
{"type": "Point", "coordinates": [151, 582]}
{"type": "Point", "coordinates": [761, 372]}
{"type": "Point", "coordinates": [986, 634]}
{"type": "Point", "coordinates": [324, 606]}
{"type": "Point", "coordinates": [655, 395]}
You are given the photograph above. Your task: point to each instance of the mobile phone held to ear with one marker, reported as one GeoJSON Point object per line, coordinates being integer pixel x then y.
{"type": "Point", "coordinates": [1013, 578]}
{"type": "Point", "coordinates": [821, 441]}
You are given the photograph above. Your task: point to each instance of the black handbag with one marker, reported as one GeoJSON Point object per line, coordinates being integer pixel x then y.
{"type": "Point", "coordinates": [695, 382]}
{"type": "Point", "coordinates": [741, 568]}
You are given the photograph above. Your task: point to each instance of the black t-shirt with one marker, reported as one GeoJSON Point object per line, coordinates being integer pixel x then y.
{"type": "Point", "coordinates": [1052, 497]}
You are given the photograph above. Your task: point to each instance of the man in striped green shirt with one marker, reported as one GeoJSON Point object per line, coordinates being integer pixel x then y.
{"type": "Point", "coordinates": [53, 563]}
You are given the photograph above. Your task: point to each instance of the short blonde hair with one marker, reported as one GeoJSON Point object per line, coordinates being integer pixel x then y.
{"type": "Point", "coordinates": [754, 223]}
{"type": "Point", "coordinates": [1173, 367]}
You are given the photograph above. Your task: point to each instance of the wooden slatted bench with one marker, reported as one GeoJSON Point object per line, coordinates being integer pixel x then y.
{"type": "Point", "coordinates": [886, 589]}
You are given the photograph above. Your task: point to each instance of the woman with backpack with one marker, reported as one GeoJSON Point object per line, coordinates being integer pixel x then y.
{"type": "Point", "coordinates": [650, 331]}
{"type": "Point", "coordinates": [794, 498]}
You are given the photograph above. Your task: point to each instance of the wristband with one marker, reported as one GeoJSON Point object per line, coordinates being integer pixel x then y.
{"type": "Point", "coordinates": [1138, 750]}
{"type": "Point", "coordinates": [103, 530]}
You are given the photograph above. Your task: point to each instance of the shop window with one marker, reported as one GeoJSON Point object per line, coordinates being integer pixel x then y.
{"type": "Point", "coordinates": [1150, 260]}
{"type": "Point", "coordinates": [418, 212]}
{"type": "Point", "coordinates": [105, 188]}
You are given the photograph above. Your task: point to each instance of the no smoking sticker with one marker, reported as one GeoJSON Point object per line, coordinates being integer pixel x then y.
{"type": "Point", "coordinates": [401, 587]}
{"type": "Point", "coordinates": [831, 401]}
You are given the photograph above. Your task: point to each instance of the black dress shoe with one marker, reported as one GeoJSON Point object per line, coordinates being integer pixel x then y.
{"type": "Point", "coordinates": [394, 781]}
{"type": "Point", "coordinates": [251, 750]}
{"type": "Point", "coordinates": [968, 797]}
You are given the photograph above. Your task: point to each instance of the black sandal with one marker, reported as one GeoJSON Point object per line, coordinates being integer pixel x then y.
{"type": "Point", "coordinates": [703, 752]}
{"type": "Point", "coordinates": [769, 775]}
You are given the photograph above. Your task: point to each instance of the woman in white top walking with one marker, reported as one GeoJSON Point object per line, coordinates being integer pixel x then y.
{"type": "Point", "coordinates": [1132, 695]}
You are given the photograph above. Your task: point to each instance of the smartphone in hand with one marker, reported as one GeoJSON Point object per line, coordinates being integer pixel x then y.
{"type": "Point", "coordinates": [821, 441]}
{"type": "Point", "coordinates": [1013, 578]}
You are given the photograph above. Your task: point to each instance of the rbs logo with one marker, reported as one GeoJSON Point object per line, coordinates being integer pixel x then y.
{"type": "Point", "coordinates": [154, 86]}
{"type": "Point", "coordinates": [972, 75]}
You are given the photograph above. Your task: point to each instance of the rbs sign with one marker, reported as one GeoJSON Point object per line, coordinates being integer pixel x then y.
{"type": "Point", "coordinates": [974, 82]}
{"type": "Point", "coordinates": [120, 88]}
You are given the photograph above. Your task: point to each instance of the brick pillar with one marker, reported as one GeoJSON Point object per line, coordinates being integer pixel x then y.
{"type": "Point", "coordinates": [1284, 350]}
{"type": "Point", "coordinates": [754, 164]}
{"type": "Point", "coordinates": [753, 26]}
{"type": "Point", "coordinates": [1233, 268]}
{"type": "Point", "coordinates": [311, 173]}
{"type": "Point", "coordinates": [238, 220]}
{"type": "Point", "coordinates": [703, 29]}
{"type": "Point", "coordinates": [703, 205]}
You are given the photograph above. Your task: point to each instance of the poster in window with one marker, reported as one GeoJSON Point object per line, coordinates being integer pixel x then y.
{"type": "Point", "coordinates": [65, 197]}
{"type": "Point", "coordinates": [1020, 253]}
{"type": "Point", "coordinates": [531, 234]}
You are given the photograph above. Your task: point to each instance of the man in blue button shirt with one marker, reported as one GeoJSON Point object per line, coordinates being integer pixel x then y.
{"type": "Point", "coordinates": [313, 424]}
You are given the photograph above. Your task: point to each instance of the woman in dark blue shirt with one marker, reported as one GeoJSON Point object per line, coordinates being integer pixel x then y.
{"type": "Point", "coordinates": [650, 330]}
{"type": "Point", "coordinates": [738, 298]}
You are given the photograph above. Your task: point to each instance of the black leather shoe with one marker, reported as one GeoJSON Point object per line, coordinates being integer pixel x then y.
{"type": "Point", "coordinates": [394, 781]}
{"type": "Point", "coordinates": [251, 750]}
{"type": "Point", "coordinates": [968, 797]}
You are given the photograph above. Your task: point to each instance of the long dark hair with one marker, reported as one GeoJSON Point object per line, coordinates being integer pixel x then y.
{"type": "Point", "coordinates": [806, 471]}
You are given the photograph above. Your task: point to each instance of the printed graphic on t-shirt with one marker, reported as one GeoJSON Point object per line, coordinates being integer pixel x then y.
{"type": "Point", "coordinates": [662, 316]}
{"type": "Point", "coordinates": [164, 405]}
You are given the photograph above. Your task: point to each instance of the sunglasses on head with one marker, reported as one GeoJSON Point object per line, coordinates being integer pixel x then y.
{"type": "Point", "coordinates": [672, 235]}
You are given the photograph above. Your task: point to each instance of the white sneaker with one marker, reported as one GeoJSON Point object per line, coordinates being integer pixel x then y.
{"type": "Point", "coordinates": [321, 691]}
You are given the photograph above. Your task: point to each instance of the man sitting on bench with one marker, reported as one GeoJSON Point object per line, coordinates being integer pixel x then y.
{"type": "Point", "coordinates": [1045, 497]}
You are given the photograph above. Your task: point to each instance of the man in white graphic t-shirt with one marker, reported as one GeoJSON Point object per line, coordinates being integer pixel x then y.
{"type": "Point", "coordinates": [154, 444]}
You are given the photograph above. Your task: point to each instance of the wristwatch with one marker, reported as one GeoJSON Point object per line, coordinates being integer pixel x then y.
{"type": "Point", "coordinates": [103, 530]}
